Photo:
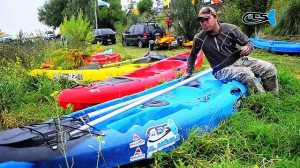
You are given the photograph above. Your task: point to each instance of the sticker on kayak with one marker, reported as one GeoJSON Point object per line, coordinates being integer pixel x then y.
{"type": "Point", "coordinates": [161, 137]}
{"type": "Point", "coordinates": [68, 76]}
{"type": "Point", "coordinates": [137, 141]}
{"type": "Point", "coordinates": [138, 154]}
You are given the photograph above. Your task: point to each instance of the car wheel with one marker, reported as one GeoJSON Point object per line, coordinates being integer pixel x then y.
{"type": "Point", "coordinates": [140, 44]}
{"type": "Point", "coordinates": [113, 41]}
{"type": "Point", "coordinates": [124, 43]}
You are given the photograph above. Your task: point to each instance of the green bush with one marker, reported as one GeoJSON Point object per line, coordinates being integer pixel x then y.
{"type": "Point", "coordinates": [230, 13]}
{"type": "Point", "coordinates": [144, 6]}
{"type": "Point", "coordinates": [77, 31]}
{"type": "Point", "coordinates": [289, 23]}
{"type": "Point", "coordinates": [184, 17]}
{"type": "Point", "coordinates": [12, 79]}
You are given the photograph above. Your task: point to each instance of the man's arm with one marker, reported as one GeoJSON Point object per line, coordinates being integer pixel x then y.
{"type": "Point", "coordinates": [244, 41]}
{"type": "Point", "coordinates": [193, 55]}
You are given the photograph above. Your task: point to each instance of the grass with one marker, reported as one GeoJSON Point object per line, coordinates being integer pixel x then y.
{"type": "Point", "coordinates": [265, 133]}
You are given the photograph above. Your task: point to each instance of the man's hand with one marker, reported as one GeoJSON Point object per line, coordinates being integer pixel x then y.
{"type": "Point", "coordinates": [245, 51]}
{"type": "Point", "coordinates": [186, 76]}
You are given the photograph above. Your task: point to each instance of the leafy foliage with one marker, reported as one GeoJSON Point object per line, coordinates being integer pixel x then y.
{"type": "Point", "coordinates": [69, 58]}
{"type": "Point", "coordinates": [144, 6]}
{"type": "Point", "coordinates": [76, 7]}
{"type": "Point", "coordinates": [230, 13]}
{"type": "Point", "coordinates": [184, 16]}
{"type": "Point", "coordinates": [77, 31]}
{"type": "Point", "coordinates": [289, 23]}
{"type": "Point", "coordinates": [51, 13]}
{"type": "Point", "coordinates": [108, 16]}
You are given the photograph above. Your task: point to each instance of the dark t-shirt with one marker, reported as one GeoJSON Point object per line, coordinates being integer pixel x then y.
{"type": "Point", "coordinates": [217, 47]}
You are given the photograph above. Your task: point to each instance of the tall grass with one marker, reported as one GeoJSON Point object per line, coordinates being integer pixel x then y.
{"type": "Point", "coordinates": [23, 99]}
{"type": "Point", "coordinates": [289, 23]}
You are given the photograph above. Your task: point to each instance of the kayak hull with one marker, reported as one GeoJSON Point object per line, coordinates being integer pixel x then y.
{"type": "Point", "coordinates": [277, 46]}
{"type": "Point", "coordinates": [87, 74]}
{"type": "Point", "coordinates": [84, 96]}
{"type": "Point", "coordinates": [140, 132]}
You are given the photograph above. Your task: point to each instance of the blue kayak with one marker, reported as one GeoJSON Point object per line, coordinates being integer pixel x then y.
{"type": "Point", "coordinates": [135, 134]}
{"type": "Point", "coordinates": [276, 46]}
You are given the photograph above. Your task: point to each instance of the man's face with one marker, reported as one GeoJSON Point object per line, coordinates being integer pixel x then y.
{"type": "Point", "coordinates": [208, 24]}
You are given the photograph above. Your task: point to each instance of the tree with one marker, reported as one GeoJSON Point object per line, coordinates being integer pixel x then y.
{"type": "Point", "coordinates": [51, 13]}
{"type": "Point", "coordinates": [108, 16]}
{"type": "Point", "coordinates": [145, 6]}
{"type": "Point", "coordinates": [76, 30]}
{"type": "Point", "coordinates": [87, 7]}
{"type": "Point", "coordinates": [184, 16]}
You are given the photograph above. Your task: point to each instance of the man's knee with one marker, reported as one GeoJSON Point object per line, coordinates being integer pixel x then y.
{"type": "Point", "coordinates": [270, 70]}
{"type": "Point", "coordinates": [245, 76]}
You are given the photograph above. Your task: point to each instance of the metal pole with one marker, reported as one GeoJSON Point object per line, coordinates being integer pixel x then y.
{"type": "Point", "coordinates": [96, 14]}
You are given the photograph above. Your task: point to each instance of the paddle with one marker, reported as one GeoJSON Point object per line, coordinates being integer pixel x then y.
{"type": "Point", "coordinates": [101, 111]}
{"type": "Point", "coordinates": [138, 102]}
{"type": "Point", "coordinates": [48, 133]}
{"type": "Point", "coordinates": [228, 61]}
{"type": "Point", "coordinates": [147, 56]}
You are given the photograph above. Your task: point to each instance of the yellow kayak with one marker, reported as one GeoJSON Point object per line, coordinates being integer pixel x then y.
{"type": "Point", "coordinates": [187, 44]}
{"type": "Point", "coordinates": [88, 74]}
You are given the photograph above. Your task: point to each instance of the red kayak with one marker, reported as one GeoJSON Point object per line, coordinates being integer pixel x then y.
{"type": "Point", "coordinates": [165, 70]}
{"type": "Point", "coordinates": [101, 58]}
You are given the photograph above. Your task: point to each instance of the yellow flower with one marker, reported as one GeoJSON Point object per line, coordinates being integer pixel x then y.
{"type": "Point", "coordinates": [54, 94]}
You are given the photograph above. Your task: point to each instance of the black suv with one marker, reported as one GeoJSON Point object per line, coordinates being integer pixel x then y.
{"type": "Point", "coordinates": [104, 35]}
{"type": "Point", "coordinates": [140, 34]}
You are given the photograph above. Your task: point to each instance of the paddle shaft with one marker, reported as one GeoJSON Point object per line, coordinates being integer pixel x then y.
{"type": "Point", "coordinates": [101, 111]}
{"type": "Point", "coordinates": [117, 63]}
{"type": "Point", "coordinates": [138, 102]}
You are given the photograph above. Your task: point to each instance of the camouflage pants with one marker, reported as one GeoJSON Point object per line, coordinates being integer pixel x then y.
{"type": "Point", "coordinates": [246, 69]}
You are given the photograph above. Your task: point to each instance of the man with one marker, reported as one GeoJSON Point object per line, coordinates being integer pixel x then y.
{"type": "Point", "coordinates": [218, 41]}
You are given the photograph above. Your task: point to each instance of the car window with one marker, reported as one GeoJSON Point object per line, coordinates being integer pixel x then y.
{"type": "Point", "coordinates": [131, 29]}
{"type": "Point", "coordinates": [49, 32]}
{"type": "Point", "coordinates": [107, 31]}
{"type": "Point", "coordinates": [136, 30]}
{"type": "Point", "coordinates": [150, 28]}
{"type": "Point", "coordinates": [141, 29]}
{"type": "Point", "coordinates": [96, 33]}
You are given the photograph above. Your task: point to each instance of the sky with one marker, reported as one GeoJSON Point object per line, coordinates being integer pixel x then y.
{"type": "Point", "coordinates": [16, 15]}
